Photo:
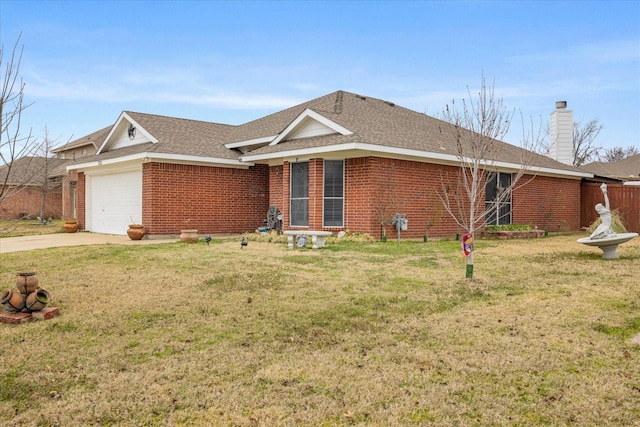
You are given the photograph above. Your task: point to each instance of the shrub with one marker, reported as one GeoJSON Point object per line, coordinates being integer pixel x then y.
{"type": "Point", "coordinates": [509, 227]}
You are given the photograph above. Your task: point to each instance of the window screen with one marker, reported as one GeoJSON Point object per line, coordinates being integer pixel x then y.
{"type": "Point", "coordinates": [299, 214]}
{"type": "Point", "coordinates": [333, 193]}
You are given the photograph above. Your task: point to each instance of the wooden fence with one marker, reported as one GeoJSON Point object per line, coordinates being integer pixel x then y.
{"type": "Point", "coordinates": [623, 198]}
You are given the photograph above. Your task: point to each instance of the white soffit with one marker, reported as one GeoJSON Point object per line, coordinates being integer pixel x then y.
{"type": "Point", "coordinates": [309, 124]}
{"type": "Point", "coordinates": [144, 157]}
{"type": "Point", "coordinates": [250, 144]}
{"type": "Point", "coordinates": [118, 136]}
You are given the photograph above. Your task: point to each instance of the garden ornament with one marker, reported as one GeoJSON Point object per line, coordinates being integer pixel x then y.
{"type": "Point", "coordinates": [603, 236]}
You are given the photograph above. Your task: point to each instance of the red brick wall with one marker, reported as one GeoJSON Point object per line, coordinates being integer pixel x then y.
{"type": "Point", "coordinates": [374, 187]}
{"type": "Point", "coordinates": [27, 200]}
{"type": "Point", "coordinates": [377, 188]}
{"type": "Point", "coordinates": [393, 186]}
{"type": "Point", "coordinates": [210, 199]}
{"type": "Point", "coordinates": [82, 189]}
{"type": "Point", "coordinates": [224, 200]}
{"type": "Point", "coordinates": [286, 192]}
{"type": "Point", "coordinates": [543, 200]}
{"type": "Point", "coordinates": [276, 189]}
{"type": "Point", "coordinates": [316, 192]}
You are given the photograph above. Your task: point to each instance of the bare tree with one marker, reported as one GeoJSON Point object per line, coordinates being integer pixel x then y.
{"type": "Point", "coordinates": [584, 146]}
{"type": "Point", "coordinates": [13, 144]}
{"type": "Point", "coordinates": [616, 154]}
{"type": "Point", "coordinates": [477, 127]}
{"type": "Point", "coordinates": [45, 177]}
{"type": "Point", "coordinates": [385, 202]}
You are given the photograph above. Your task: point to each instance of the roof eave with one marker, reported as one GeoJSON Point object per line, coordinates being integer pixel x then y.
{"type": "Point", "coordinates": [146, 157]}
{"type": "Point", "coordinates": [442, 158]}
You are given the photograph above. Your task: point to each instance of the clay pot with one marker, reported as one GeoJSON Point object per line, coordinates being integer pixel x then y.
{"type": "Point", "coordinates": [70, 226]}
{"type": "Point", "coordinates": [12, 301]}
{"type": "Point", "coordinates": [27, 282]}
{"type": "Point", "coordinates": [189, 236]}
{"type": "Point", "coordinates": [136, 231]}
{"type": "Point", "coordinates": [37, 300]}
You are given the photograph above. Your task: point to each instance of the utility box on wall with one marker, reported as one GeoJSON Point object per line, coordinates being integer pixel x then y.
{"type": "Point", "coordinates": [401, 222]}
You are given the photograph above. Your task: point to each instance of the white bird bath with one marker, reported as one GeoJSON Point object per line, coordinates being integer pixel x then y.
{"type": "Point", "coordinates": [609, 245]}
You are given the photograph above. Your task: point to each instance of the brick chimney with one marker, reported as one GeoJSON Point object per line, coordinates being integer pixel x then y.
{"type": "Point", "coordinates": [561, 148]}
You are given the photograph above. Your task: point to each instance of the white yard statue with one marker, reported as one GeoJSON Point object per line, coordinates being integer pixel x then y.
{"type": "Point", "coordinates": [603, 236]}
{"type": "Point", "coordinates": [604, 229]}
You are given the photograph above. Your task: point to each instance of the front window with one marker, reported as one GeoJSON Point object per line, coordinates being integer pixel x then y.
{"type": "Point", "coordinates": [498, 204]}
{"type": "Point", "coordinates": [299, 215]}
{"type": "Point", "coordinates": [333, 193]}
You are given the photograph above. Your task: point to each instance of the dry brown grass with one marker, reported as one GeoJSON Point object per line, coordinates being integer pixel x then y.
{"type": "Point", "coordinates": [354, 334]}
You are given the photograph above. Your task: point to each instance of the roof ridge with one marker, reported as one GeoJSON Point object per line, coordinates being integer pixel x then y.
{"type": "Point", "coordinates": [161, 116]}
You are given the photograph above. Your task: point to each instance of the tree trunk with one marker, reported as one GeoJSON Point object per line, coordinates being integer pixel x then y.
{"type": "Point", "coordinates": [42, 204]}
{"type": "Point", "coordinates": [469, 274]}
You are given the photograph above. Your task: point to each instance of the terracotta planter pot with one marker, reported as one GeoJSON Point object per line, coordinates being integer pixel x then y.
{"type": "Point", "coordinates": [27, 282]}
{"type": "Point", "coordinates": [136, 231]}
{"type": "Point", "coordinates": [70, 226]}
{"type": "Point", "coordinates": [37, 300]}
{"type": "Point", "coordinates": [189, 236]}
{"type": "Point", "coordinates": [12, 301]}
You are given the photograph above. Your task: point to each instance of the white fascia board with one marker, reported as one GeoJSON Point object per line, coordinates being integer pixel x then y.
{"type": "Point", "coordinates": [404, 152]}
{"type": "Point", "coordinates": [114, 129]}
{"type": "Point", "coordinates": [106, 162]}
{"type": "Point", "coordinates": [180, 158]}
{"type": "Point", "coordinates": [308, 113]}
{"type": "Point", "coordinates": [162, 157]}
{"type": "Point", "coordinates": [250, 142]}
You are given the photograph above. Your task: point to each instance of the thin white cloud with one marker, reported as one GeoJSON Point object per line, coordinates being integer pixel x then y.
{"type": "Point", "coordinates": [594, 53]}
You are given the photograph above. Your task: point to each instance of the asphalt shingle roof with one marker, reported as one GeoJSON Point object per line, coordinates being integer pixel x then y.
{"type": "Point", "coordinates": [96, 138]}
{"type": "Point", "coordinates": [377, 122]}
{"type": "Point", "coordinates": [186, 137]}
{"type": "Point", "coordinates": [628, 168]}
{"type": "Point", "coordinates": [372, 121]}
{"type": "Point", "coordinates": [30, 170]}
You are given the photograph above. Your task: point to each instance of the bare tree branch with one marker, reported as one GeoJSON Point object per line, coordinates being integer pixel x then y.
{"type": "Point", "coordinates": [584, 147]}
{"type": "Point", "coordinates": [616, 154]}
{"type": "Point", "coordinates": [13, 144]}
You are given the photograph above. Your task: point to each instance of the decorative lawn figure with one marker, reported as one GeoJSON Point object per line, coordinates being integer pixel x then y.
{"type": "Point", "coordinates": [604, 236]}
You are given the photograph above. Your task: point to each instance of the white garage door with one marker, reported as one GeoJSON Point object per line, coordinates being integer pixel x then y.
{"type": "Point", "coordinates": [116, 200]}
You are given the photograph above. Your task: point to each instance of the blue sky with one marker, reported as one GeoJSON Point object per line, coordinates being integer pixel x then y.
{"type": "Point", "coordinates": [232, 62]}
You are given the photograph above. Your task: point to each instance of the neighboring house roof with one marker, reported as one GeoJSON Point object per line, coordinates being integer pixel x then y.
{"type": "Point", "coordinates": [626, 169]}
{"type": "Point", "coordinates": [94, 139]}
{"type": "Point", "coordinates": [340, 122]}
{"type": "Point", "coordinates": [30, 170]}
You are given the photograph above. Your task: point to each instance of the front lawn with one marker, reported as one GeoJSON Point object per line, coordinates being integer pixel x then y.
{"type": "Point", "coordinates": [359, 333]}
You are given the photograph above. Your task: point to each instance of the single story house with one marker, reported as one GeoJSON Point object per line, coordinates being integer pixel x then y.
{"type": "Point", "coordinates": [339, 162]}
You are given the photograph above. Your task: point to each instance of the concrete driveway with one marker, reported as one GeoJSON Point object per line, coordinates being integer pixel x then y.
{"type": "Point", "coordinates": [27, 243]}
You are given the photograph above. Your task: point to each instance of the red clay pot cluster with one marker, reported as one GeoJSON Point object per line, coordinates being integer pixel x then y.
{"type": "Point", "coordinates": [29, 296]}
